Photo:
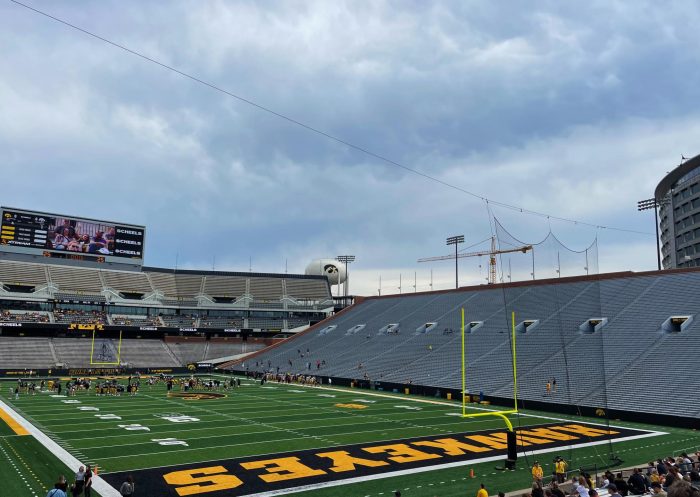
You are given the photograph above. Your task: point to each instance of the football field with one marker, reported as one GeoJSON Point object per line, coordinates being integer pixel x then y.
{"type": "Point", "coordinates": [275, 439]}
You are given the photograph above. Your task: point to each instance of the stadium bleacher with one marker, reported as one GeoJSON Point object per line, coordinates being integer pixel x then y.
{"type": "Point", "coordinates": [606, 367]}
{"type": "Point", "coordinates": [25, 352]}
{"type": "Point", "coordinates": [72, 294]}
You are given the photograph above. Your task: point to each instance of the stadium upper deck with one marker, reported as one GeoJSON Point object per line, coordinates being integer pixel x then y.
{"type": "Point", "coordinates": [53, 293]}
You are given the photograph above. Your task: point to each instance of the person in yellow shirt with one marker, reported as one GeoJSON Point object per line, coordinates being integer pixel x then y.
{"type": "Point", "coordinates": [560, 469]}
{"type": "Point", "coordinates": [482, 492]}
{"type": "Point", "coordinates": [537, 472]}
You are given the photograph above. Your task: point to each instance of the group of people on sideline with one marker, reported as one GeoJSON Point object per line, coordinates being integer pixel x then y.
{"type": "Point", "coordinates": [669, 477]}
{"type": "Point", "coordinates": [82, 485]}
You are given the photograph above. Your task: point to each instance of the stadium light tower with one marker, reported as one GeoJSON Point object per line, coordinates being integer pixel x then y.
{"type": "Point", "coordinates": [346, 259]}
{"type": "Point", "coordinates": [644, 205]}
{"type": "Point", "coordinates": [455, 240]}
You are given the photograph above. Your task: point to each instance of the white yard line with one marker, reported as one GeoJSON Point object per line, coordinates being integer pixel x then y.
{"type": "Point", "coordinates": [99, 485]}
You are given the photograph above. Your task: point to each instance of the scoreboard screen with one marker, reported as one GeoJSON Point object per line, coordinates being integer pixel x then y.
{"type": "Point", "coordinates": [59, 236]}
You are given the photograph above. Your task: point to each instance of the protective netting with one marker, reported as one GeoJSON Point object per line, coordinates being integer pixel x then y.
{"type": "Point", "coordinates": [559, 341]}
{"type": "Point", "coordinates": [549, 258]}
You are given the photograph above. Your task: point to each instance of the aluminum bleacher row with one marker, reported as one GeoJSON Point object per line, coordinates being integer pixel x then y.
{"type": "Point", "coordinates": [41, 352]}
{"type": "Point", "coordinates": [609, 340]}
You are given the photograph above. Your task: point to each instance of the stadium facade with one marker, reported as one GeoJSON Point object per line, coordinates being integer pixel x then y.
{"type": "Point", "coordinates": [678, 197]}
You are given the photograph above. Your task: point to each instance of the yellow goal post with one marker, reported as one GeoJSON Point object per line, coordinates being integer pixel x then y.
{"type": "Point", "coordinates": [503, 414]}
{"type": "Point", "coordinates": [92, 352]}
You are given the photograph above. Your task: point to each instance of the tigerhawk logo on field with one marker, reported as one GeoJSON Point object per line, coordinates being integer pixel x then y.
{"type": "Point", "coordinates": [333, 465]}
{"type": "Point", "coordinates": [197, 395]}
{"type": "Point", "coordinates": [351, 406]}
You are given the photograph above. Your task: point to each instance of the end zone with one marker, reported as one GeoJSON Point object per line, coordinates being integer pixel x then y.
{"type": "Point", "coordinates": [291, 472]}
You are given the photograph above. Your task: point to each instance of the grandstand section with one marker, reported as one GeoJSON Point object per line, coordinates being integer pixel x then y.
{"type": "Point", "coordinates": [52, 295]}
{"type": "Point", "coordinates": [603, 338]}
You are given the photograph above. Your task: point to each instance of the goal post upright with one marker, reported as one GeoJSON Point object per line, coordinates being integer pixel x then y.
{"type": "Point", "coordinates": [464, 372]}
{"type": "Point", "coordinates": [500, 414]}
{"type": "Point", "coordinates": [515, 366]}
{"type": "Point", "coordinates": [92, 351]}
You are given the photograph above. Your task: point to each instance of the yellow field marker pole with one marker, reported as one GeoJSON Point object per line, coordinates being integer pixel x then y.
{"type": "Point", "coordinates": [464, 371]}
{"type": "Point", "coordinates": [515, 369]}
{"type": "Point", "coordinates": [92, 348]}
{"type": "Point", "coordinates": [119, 350]}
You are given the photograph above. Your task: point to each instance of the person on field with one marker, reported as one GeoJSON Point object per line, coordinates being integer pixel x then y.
{"type": "Point", "coordinates": [59, 488]}
{"type": "Point", "coordinates": [88, 481]}
{"type": "Point", "coordinates": [127, 488]}
{"type": "Point", "coordinates": [482, 492]}
{"type": "Point", "coordinates": [560, 469]}
{"type": "Point", "coordinates": [537, 472]}
{"type": "Point", "coordinates": [79, 484]}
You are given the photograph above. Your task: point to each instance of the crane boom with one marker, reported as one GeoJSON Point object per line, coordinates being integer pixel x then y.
{"type": "Point", "coordinates": [490, 253]}
{"type": "Point", "coordinates": [522, 249]}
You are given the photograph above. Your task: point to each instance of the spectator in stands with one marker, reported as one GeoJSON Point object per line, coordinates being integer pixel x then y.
{"type": "Point", "coordinates": [579, 487]}
{"type": "Point", "coordinates": [671, 477]}
{"type": "Point", "coordinates": [98, 244]}
{"type": "Point", "coordinates": [65, 229]}
{"type": "Point", "coordinates": [60, 242]}
{"type": "Point", "coordinates": [612, 490]}
{"type": "Point", "coordinates": [636, 483]}
{"type": "Point", "coordinates": [661, 467]}
{"type": "Point", "coordinates": [686, 463]}
{"type": "Point", "coordinates": [556, 491]}
{"type": "Point", "coordinates": [621, 485]}
{"type": "Point", "coordinates": [657, 491]}
{"type": "Point", "coordinates": [110, 236]}
{"type": "Point", "coordinates": [695, 479]}
{"type": "Point", "coordinates": [682, 488]}
{"type": "Point", "coordinates": [608, 477]}
{"type": "Point", "coordinates": [74, 245]}
{"type": "Point", "coordinates": [537, 489]}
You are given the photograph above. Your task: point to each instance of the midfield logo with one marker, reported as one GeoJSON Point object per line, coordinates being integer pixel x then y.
{"type": "Point", "coordinates": [197, 395]}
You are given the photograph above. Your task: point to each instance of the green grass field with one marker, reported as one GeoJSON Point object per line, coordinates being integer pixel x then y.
{"type": "Point", "coordinates": [150, 430]}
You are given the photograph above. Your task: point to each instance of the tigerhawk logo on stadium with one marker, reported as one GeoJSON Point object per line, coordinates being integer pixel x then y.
{"type": "Point", "coordinates": [316, 468]}
{"type": "Point", "coordinates": [197, 395]}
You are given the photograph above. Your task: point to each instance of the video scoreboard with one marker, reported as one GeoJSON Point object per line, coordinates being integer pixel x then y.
{"type": "Point", "coordinates": [67, 237]}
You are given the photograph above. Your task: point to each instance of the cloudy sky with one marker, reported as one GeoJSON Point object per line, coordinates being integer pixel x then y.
{"type": "Point", "coordinates": [571, 109]}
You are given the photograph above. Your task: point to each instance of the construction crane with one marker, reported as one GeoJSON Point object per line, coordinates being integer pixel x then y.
{"type": "Point", "coordinates": [490, 253]}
